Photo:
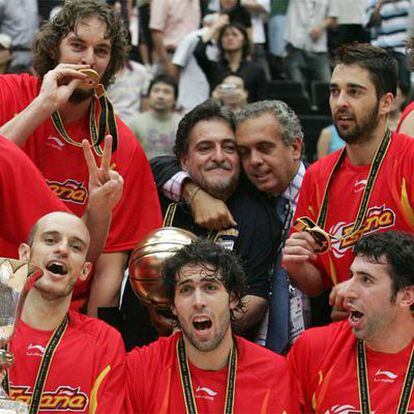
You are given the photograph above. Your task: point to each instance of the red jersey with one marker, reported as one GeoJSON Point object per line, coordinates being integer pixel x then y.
{"type": "Point", "coordinates": [407, 111]}
{"type": "Point", "coordinates": [18, 211]}
{"type": "Point", "coordinates": [390, 206]}
{"type": "Point", "coordinates": [87, 373]}
{"type": "Point", "coordinates": [66, 172]}
{"type": "Point", "coordinates": [325, 363]}
{"type": "Point", "coordinates": [263, 382]}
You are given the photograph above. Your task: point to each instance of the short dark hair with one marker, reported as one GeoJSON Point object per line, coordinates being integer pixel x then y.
{"type": "Point", "coordinates": [215, 259]}
{"type": "Point", "coordinates": [206, 111]}
{"type": "Point", "coordinates": [246, 40]}
{"type": "Point", "coordinates": [381, 66]}
{"type": "Point", "coordinates": [46, 46]}
{"type": "Point", "coordinates": [168, 80]}
{"type": "Point", "coordinates": [397, 248]}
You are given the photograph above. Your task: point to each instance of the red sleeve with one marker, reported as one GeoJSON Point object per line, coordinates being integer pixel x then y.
{"type": "Point", "coordinates": [108, 393]}
{"type": "Point", "coordinates": [25, 195]}
{"type": "Point", "coordinates": [138, 211]}
{"type": "Point", "coordinates": [135, 366]}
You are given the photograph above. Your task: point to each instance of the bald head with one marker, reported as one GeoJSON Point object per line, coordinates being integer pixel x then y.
{"type": "Point", "coordinates": [63, 220]}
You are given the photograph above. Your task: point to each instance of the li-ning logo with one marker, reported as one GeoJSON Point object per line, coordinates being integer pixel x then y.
{"type": "Point", "coordinates": [344, 409]}
{"type": "Point", "coordinates": [35, 350]}
{"type": "Point", "coordinates": [64, 398]}
{"type": "Point", "coordinates": [70, 190]}
{"type": "Point", "coordinates": [385, 376]}
{"type": "Point", "coordinates": [377, 218]}
{"type": "Point", "coordinates": [206, 393]}
{"type": "Point", "coordinates": [55, 142]}
{"type": "Point", "coordinates": [360, 185]}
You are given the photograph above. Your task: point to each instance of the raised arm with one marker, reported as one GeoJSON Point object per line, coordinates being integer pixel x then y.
{"type": "Point", "coordinates": [57, 87]}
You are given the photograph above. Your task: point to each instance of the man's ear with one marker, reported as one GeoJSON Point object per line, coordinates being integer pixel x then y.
{"type": "Point", "coordinates": [24, 252]}
{"type": "Point", "coordinates": [86, 269]}
{"type": "Point", "coordinates": [172, 309]}
{"type": "Point", "coordinates": [184, 162]}
{"type": "Point", "coordinates": [297, 148]}
{"type": "Point", "coordinates": [407, 298]}
{"type": "Point", "coordinates": [386, 103]}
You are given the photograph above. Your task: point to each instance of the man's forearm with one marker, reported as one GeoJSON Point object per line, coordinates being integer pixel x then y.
{"type": "Point", "coordinates": [106, 283]}
{"type": "Point", "coordinates": [20, 127]}
{"type": "Point", "coordinates": [98, 224]}
{"type": "Point", "coordinates": [307, 278]}
{"type": "Point", "coordinates": [252, 313]}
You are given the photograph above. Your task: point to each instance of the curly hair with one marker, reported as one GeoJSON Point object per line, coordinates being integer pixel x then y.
{"type": "Point", "coordinates": [46, 46]}
{"type": "Point", "coordinates": [215, 260]}
{"type": "Point", "coordinates": [410, 51]}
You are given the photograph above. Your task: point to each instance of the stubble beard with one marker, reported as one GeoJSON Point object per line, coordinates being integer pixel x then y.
{"type": "Point", "coordinates": [363, 129]}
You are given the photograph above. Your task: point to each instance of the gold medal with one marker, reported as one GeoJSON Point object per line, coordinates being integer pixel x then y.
{"type": "Point", "coordinates": [92, 80]}
{"type": "Point", "coordinates": [322, 238]}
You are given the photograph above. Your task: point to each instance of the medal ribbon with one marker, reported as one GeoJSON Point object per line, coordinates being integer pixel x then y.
{"type": "Point", "coordinates": [106, 123]}
{"type": "Point", "coordinates": [44, 367]}
{"type": "Point", "coordinates": [372, 176]}
{"type": "Point", "coordinates": [363, 386]}
{"type": "Point", "coordinates": [187, 386]}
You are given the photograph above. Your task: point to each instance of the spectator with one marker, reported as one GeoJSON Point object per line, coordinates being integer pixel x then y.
{"type": "Point", "coordinates": [275, 34]}
{"type": "Point", "coordinates": [388, 20]}
{"type": "Point", "coordinates": [232, 93]}
{"type": "Point", "coordinates": [234, 46]}
{"type": "Point", "coordinates": [156, 128]}
{"type": "Point", "coordinates": [170, 22]}
{"type": "Point", "coordinates": [329, 141]}
{"type": "Point", "coordinates": [131, 83]}
{"type": "Point", "coordinates": [19, 20]}
{"type": "Point", "coordinates": [193, 87]}
{"type": "Point", "coordinates": [306, 37]}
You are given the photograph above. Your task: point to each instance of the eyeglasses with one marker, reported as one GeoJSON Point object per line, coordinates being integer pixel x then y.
{"type": "Point", "coordinates": [322, 238]}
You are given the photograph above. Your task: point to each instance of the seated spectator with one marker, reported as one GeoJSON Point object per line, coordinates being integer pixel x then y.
{"type": "Point", "coordinates": [329, 141]}
{"type": "Point", "coordinates": [131, 82]}
{"type": "Point", "coordinates": [232, 92]}
{"type": "Point", "coordinates": [234, 46]}
{"type": "Point", "coordinates": [156, 127]}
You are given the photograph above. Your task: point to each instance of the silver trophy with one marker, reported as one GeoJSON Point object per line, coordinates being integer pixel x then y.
{"type": "Point", "coordinates": [16, 278]}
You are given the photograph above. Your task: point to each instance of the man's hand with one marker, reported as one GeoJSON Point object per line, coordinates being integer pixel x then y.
{"type": "Point", "coordinates": [316, 32]}
{"type": "Point", "coordinates": [105, 191]}
{"type": "Point", "coordinates": [336, 300]}
{"type": "Point", "coordinates": [210, 212]}
{"type": "Point", "coordinates": [105, 185]}
{"type": "Point", "coordinates": [299, 248]}
{"type": "Point", "coordinates": [59, 83]}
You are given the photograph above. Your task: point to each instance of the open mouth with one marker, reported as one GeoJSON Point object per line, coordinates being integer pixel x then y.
{"type": "Point", "coordinates": [355, 317]}
{"type": "Point", "coordinates": [202, 324]}
{"type": "Point", "coordinates": [57, 268]}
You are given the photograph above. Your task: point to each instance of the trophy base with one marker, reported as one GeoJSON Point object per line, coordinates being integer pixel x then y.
{"type": "Point", "coordinates": [13, 407]}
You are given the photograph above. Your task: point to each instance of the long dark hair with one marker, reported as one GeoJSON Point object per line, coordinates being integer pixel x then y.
{"type": "Point", "coordinates": [246, 41]}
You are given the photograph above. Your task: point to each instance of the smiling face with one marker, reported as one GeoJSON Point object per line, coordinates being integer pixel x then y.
{"type": "Point", "coordinates": [59, 247]}
{"type": "Point", "coordinates": [369, 299]}
{"type": "Point", "coordinates": [87, 45]}
{"type": "Point", "coordinates": [202, 306]}
{"type": "Point", "coordinates": [356, 109]}
{"type": "Point", "coordinates": [268, 162]}
{"type": "Point", "coordinates": [212, 160]}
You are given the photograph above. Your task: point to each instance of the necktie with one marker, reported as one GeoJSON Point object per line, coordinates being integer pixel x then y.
{"type": "Point", "coordinates": [278, 328]}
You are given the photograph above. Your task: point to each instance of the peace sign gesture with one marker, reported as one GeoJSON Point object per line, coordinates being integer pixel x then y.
{"type": "Point", "coordinates": [105, 185]}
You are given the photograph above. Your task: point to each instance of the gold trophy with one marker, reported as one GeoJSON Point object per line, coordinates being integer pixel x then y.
{"type": "Point", "coordinates": [145, 272]}
{"type": "Point", "coordinates": [16, 278]}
